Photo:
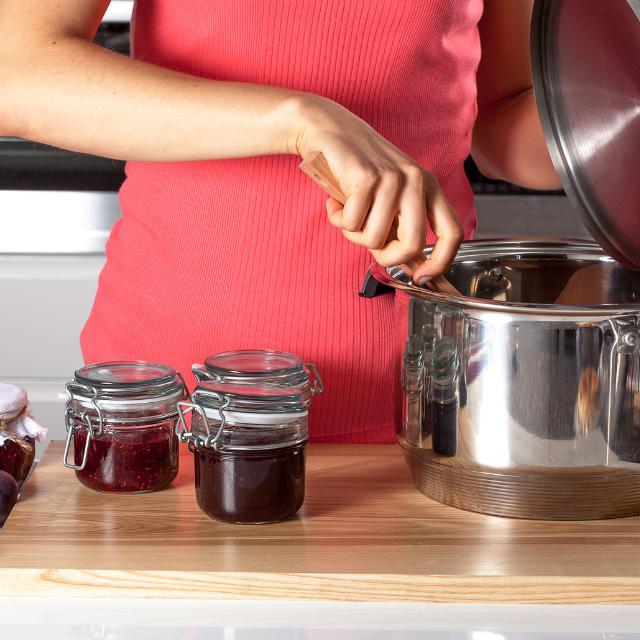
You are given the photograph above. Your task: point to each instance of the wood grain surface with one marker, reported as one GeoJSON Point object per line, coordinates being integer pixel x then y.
{"type": "Point", "coordinates": [363, 534]}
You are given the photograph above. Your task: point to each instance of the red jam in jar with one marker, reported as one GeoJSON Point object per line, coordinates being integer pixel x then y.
{"type": "Point", "coordinates": [17, 459]}
{"type": "Point", "coordinates": [249, 444]}
{"type": "Point", "coordinates": [121, 417]}
{"type": "Point", "coordinates": [129, 459]}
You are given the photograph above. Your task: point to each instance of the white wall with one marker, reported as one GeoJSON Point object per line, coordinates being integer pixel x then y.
{"type": "Point", "coordinates": [46, 301]}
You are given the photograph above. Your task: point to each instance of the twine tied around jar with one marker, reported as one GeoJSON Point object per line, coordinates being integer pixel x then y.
{"type": "Point", "coordinates": [8, 422]}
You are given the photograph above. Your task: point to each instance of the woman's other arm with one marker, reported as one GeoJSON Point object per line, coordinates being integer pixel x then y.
{"type": "Point", "coordinates": [508, 143]}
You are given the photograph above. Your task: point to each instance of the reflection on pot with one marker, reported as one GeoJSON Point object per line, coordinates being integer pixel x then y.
{"type": "Point", "coordinates": [413, 385]}
{"type": "Point", "coordinates": [443, 398]}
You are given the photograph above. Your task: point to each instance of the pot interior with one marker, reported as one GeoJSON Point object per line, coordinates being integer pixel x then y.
{"type": "Point", "coordinates": [539, 272]}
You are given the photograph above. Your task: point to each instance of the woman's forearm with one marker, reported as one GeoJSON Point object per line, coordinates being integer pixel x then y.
{"type": "Point", "coordinates": [67, 92]}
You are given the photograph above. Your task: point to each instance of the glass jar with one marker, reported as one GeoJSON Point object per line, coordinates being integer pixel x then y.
{"type": "Point", "coordinates": [16, 454]}
{"type": "Point", "coordinates": [261, 366]}
{"type": "Point", "coordinates": [122, 418]}
{"type": "Point", "coordinates": [249, 445]}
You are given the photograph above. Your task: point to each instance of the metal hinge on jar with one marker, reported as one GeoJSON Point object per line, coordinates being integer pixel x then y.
{"type": "Point", "coordinates": [182, 431]}
{"type": "Point", "coordinates": [92, 430]}
{"type": "Point", "coordinates": [318, 387]}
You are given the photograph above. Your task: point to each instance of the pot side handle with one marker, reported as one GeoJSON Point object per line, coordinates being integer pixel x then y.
{"type": "Point", "coordinates": [372, 287]}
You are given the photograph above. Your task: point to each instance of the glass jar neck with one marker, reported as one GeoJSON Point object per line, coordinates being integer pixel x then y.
{"type": "Point", "coordinates": [238, 435]}
{"type": "Point", "coordinates": [125, 412]}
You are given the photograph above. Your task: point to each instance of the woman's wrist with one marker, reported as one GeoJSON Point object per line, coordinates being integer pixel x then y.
{"type": "Point", "coordinates": [306, 112]}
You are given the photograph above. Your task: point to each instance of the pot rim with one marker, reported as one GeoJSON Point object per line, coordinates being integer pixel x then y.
{"type": "Point", "coordinates": [528, 245]}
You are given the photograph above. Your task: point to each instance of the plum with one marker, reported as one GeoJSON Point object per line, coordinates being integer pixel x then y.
{"type": "Point", "coordinates": [8, 495]}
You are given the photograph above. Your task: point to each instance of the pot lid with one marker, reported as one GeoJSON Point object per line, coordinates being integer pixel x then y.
{"type": "Point", "coordinates": [585, 58]}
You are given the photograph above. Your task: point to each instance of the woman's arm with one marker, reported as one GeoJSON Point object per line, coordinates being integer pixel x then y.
{"type": "Point", "coordinates": [508, 143]}
{"type": "Point", "coordinates": [58, 88]}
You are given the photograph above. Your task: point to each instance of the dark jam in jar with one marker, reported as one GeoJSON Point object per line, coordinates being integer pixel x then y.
{"type": "Point", "coordinates": [250, 487]}
{"type": "Point", "coordinates": [16, 460]}
{"type": "Point", "coordinates": [129, 459]}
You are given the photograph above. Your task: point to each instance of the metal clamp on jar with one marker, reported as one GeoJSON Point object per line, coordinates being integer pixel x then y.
{"type": "Point", "coordinates": [249, 445]}
{"type": "Point", "coordinates": [262, 366]}
{"type": "Point", "coordinates": [122, 418]}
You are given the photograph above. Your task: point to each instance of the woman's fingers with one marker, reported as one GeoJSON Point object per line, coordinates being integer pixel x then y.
{"type": "Point", "coordinates": [385, 202]}
{"type": "Point", "coordinates": [447, 229]}
{"type": "Point", "coordinates": [402, 195]}
{"type": "Point", "coordinates": [411, 231]}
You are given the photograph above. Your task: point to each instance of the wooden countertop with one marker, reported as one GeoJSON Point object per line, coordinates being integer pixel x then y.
{"type": "Point", "coordinates": [363, 534]}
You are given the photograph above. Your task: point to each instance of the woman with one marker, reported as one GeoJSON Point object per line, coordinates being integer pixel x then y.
{"type": "Point", "coordinates": [224, 243]}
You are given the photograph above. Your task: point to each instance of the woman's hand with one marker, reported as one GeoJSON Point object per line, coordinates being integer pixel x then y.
{"type": "Point", "coordinates": [383, 187]}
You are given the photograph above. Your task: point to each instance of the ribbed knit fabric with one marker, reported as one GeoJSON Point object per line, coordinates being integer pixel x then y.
{"type": "Point", "coordinates": [174, 289]}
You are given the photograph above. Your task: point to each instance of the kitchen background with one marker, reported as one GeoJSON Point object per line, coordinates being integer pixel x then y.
{"type": "Point", "coordinates": [56, 212]}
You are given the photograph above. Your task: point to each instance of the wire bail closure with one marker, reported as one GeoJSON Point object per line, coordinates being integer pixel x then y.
{"type": "Point", "coordinates": [184, 435]}
{"type": "Point", "coordinates": [318, 387]}
{"type": "Point", "coordinates": [185, 389]}
{"type": "Point", "coordinates": [69, 413]}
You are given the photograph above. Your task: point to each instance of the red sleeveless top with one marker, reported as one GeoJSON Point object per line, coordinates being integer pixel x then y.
{"type": "Point", "coordinates": [170, 291]}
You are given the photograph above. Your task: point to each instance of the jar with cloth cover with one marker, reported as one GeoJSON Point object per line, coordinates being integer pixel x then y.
{"type": "Point", "coordinates": [18, 433]}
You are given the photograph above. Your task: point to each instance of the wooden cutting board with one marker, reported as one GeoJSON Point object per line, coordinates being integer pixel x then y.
{"type": "Point", "coordinates": [363, 534]}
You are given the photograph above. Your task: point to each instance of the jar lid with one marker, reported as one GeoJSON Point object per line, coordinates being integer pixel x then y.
{"type": "Point", "coordinates": [254, 363]}
{"type": "Point", "coordinates": [132, 380]}
{"type": "Point", "coordinates": [585, 58]}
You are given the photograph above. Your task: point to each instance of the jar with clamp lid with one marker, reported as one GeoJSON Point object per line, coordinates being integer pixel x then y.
{"type": "Point", "coordinates": [262, 366]}
{"type": "Point", "coordinates": [249, 449]}
{"type": "Point", "coordinates": [121, 417]}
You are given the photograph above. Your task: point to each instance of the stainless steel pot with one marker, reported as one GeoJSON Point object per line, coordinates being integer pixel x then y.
{"type": "Point", "coordinates": [523, 397]}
